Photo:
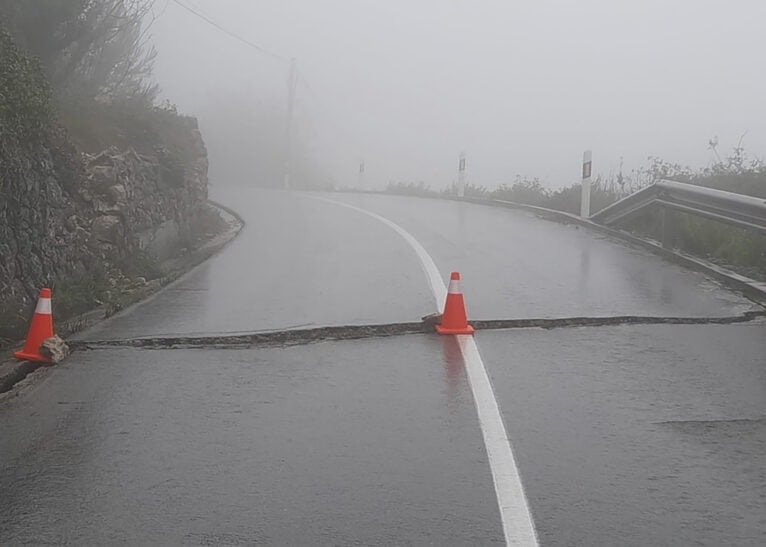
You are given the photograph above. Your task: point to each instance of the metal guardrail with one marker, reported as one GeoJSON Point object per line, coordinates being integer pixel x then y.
{"type": "Point", "coordinates": [735, 209]}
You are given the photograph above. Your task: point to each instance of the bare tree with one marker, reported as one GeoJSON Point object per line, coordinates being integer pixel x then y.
{"type": "Point", "coordinates": [90, 48]}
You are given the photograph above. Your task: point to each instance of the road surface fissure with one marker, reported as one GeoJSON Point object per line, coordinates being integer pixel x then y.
{"type": "Point", "coordinates": [295, 336]}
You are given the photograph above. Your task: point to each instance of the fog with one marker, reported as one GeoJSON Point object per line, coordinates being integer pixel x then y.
{"type": "Point", "coordinates": [522, 87]}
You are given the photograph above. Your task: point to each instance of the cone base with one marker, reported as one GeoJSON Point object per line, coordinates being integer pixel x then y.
{"type": "Point", "coordinates": [468, 329]}
{"type": "Point", "coordinates": [31, 357]}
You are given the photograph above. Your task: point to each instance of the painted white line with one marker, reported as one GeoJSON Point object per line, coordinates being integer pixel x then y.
{"type": "Point", "coordinates": [518, 527]}
{"type": "Point", "coordinates": [432, 272]}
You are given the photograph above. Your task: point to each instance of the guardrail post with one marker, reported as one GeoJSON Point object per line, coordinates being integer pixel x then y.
{"type": "Point", "coordinates": [667, 229]}
{"type": "Point", "coordinates": [586, 174]}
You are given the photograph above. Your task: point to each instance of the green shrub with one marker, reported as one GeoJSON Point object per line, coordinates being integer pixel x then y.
{"type": "Point", "coordinates": [140, 264]}
{"type": "Point", "coordinates": [13, 323]}
{"type": "Point", "coordinates": [137, 264]}
{"type": "Point", "coordinates": [79, 291]}
{"type": "Point", "coordinates": [410, 189]}
{"type": "Point", "coordinates": [736, 248]}
{"type": "Point", "coordinates": [25, 110]}
{"type": "Point", "coordinates": [524, 190]}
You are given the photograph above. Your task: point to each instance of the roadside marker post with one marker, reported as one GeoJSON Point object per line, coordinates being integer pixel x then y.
{"type": "Point", "coordinates": [292, 85]}
{"type": "Point", "coordinates": [587, 168]}
{"type": "Point", "coordinates": [461, 176]}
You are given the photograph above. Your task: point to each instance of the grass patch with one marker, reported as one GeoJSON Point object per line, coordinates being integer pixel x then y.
{"type": "Point", "coordinates": [140, 264]}
{"type": "Point", "coordinates": [206, 224]}
{"type": "Point", "coordinates": [85, 289]}
{"type": "Point", "coordinates": [728, 246]}
{"type": "Point", "coordinates": [80, 291]}
{"type": "Point", "coordinates": [411, 189]}
{"type": "Point", "coordinates": [734, 248]}
{"type": "Point", "coordinates": [13, 324]}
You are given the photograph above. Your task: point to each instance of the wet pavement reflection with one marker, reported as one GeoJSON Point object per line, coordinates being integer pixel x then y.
{"type": "Point", "coordinates": [627, 435]}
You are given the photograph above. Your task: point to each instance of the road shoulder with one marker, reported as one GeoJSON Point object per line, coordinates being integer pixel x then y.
{"type": "Point", "coordinates": [13, 371]}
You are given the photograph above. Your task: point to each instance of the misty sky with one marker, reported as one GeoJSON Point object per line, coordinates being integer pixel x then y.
{"type": "Point", "coordinates": [522, 86]}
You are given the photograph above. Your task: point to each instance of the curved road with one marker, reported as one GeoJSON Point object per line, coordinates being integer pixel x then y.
{"type": "Point", "coordinates": [631, 435]}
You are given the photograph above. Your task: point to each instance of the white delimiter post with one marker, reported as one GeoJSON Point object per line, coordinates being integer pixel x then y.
{"type": "Point", "coordinates": [292, 84]}
{"type": "Point", "coordinates": [587, 165]}
{"type": "Point", "coordinates": [461, 176]}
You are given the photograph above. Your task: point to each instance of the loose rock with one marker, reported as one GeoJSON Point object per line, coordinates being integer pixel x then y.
{"type": "Point", "coordinates": [55, 349]}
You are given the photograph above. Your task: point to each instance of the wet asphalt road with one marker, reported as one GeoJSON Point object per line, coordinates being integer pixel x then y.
{"type": "Point", "coordinates": [633, 435]}
{"type": "Point", "coordinates": [638, 435]}
{"type": "Point", "coordinates": [297, 446]}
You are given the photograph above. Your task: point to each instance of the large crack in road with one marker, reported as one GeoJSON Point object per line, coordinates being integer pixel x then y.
{"type": "Point", "coordinates": [355, 332]}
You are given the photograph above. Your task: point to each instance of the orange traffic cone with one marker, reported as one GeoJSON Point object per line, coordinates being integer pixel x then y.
{"type": "Point", "coordinates": [454, 320]}
{"type": "Point", "coordinates": [41, 330]}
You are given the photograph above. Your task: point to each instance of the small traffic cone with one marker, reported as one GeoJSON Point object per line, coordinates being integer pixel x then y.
{"type": "Point", "coordinates": [41, 330]}
{"type": "Point", "coordinates": [454, 320]}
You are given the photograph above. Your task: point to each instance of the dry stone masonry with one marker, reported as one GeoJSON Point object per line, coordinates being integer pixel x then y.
{"type": "Point", "coordinates": [61, 210]}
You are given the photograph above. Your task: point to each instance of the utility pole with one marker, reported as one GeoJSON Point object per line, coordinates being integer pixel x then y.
{"type": "Point", "coordinates": [587, 168]}
{"type": "Point", "coordinates": [361, 174]}
{"type": "Point", "coordinates": [292, 84]}
{"type": "Point", "coordinates": [461, 176]}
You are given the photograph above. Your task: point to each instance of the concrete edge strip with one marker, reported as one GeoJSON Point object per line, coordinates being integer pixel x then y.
{"type": "Point", "coordinates": [230, 211]}
{"type": "Point", "coordinates": [358, 332]}
{"type": "Point", "coordinates": [518, 526]}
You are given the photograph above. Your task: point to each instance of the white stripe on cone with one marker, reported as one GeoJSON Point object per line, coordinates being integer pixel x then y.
{"type": "Point", "coordinates": [454, 286]}
{"type": "Point", "coordinates": [44, 306]}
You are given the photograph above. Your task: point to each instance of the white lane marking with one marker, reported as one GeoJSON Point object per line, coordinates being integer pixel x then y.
{"type": "Point", "coordinates": [432, 272]}
{"type": "Point", "coordinates": [518, 526]}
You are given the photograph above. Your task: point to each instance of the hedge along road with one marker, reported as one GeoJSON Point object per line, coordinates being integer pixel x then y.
{"type": "Point", "coordinates": [377, 441]}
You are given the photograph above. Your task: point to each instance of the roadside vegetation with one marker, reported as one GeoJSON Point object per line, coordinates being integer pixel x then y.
{"type": "Point", "coordinates": [111, 287]}
{"type": "Point", "coordinates": [731, 247]}
{"type": "Point", "coordinates": [97, 64]}
{"type": "Point", "coordinates": [75, 77]}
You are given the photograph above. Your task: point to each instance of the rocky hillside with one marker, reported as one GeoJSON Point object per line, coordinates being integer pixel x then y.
{"type": "Point", "coordinates": [68, 217]}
